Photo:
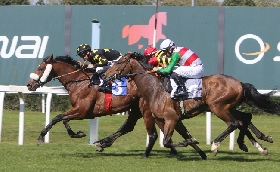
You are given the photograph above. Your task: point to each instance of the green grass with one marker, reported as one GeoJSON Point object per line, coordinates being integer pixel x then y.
{"type": "Point", "coordinates": [66, 154]}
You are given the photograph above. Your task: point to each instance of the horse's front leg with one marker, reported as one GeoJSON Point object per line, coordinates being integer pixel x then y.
{"type": "Point", "coordinates": [126, 127]}
{"type": "Point", "coordinates": [71, 133]}
{"type": "Point", "coordinates": [231, 127]}
{"type": "Point", "coordinates": [55, 120]}
{"type": "Point", "coordinates": [160, 124]}
{"type": "Point", "coordinates": [182, 130]}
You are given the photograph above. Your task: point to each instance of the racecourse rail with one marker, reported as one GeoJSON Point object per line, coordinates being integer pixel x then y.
{"type": "Point", "coordinates": [46, 104]}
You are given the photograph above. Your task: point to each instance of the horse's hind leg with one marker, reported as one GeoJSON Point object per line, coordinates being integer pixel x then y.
{"type": "Point", "coordinates": [259, 134]}
{"type": "Point", "coordinates": [255, 143]}
{"type": "Point", "coordinates": [71, 133]}
{"type": "Point", "coordinates": [245, 118]}
{"type": "Point", "coordinates": [55, 120]}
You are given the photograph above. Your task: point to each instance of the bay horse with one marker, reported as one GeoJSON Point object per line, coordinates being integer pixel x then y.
{"type": "Point", "coordinates": [88, 103]}
{"type": "Point", "coordinates": [221, 94]}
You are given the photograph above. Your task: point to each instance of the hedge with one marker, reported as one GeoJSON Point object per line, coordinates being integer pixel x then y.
{"type": "Point", "coordinates": [61, 103]}
{"type": "Point", "coordinates": [33, 102]}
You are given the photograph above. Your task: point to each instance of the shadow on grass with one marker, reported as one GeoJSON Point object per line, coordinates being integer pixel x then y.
{"type": "Point", "coordinates": [182, 156]}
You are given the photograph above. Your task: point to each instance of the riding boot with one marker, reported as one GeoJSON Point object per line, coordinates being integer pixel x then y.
{"type": "Point", "coordinates": [94, 79]}
{"type": "Point", "coordinates": [181, 89]}
{"type": "Point", "coordinates": [105, 87]}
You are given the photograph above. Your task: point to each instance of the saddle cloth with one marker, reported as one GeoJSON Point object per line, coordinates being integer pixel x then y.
{"type": "Point", "coordinates": [119, 87]}
{"type": "Point", "coordinates": [193, 86]}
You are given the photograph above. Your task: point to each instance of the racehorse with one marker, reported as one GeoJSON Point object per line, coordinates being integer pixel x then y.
{"type": "Point", "coordinates": [221, 94]}
{"type": "Point", "coordinates": [88, 103]}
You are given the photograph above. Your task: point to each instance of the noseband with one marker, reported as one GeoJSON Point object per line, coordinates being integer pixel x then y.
{"type": "Point", "coordinates": [40, 82]}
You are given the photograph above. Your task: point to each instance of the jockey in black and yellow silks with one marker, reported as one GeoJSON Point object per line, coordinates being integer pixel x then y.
{"type": "Point", "coordinates": [101, 56]}
{"type": "Point", "coordinates": [97, 58]}
{"type": "Point", "coordinates": [162, 59]}
{"type": "Point", "coordinates": [156, 58]}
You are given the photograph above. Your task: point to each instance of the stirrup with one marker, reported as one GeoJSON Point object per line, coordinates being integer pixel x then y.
{"type": "Point", "coordinates": [180, 93]}
{"type": "Point", "coordinates": [104, 89]}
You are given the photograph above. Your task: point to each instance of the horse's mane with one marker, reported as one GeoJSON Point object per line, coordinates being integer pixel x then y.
{"type": "Point", "coordinates": [141, 59]}
{"type": "Point", "coordinates": [67, 59]}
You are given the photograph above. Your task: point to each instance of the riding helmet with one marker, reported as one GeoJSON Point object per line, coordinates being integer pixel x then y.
{"type": "Point", "coordinates": [167, 44]}
{"type": "Point", "coordinates": [150, 50]}
{"type": "Point", "coordinates": [82, 48]}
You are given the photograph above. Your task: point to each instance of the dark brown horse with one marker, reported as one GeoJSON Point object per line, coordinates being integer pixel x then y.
{"type": "Point", "coordinates": [221, 95]}
{"type": "Point", "coordinates": [88, 103]}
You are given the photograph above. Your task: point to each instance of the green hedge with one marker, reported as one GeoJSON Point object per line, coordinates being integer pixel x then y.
{"type": "Point", "coordinates": [34, 102]}
{"type": "Point", "coordinates": [62, 103]}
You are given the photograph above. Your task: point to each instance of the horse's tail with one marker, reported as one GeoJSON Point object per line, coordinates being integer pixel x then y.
{"type": "Point", "coordinates": [262, 101]}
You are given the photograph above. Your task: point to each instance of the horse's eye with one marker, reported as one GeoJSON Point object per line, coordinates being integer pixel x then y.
{"type": "Point", "coordinates": [40, 69]}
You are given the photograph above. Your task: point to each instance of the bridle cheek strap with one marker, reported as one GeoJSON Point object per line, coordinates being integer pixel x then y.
{"type": "Point", "coordinates": [46, 73]}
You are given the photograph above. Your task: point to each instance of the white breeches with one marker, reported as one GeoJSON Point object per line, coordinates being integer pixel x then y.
{"type": "Point", "coordinates": [189, 71]}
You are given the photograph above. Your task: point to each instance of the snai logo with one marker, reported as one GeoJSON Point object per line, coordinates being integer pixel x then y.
{"type": "Point", "coordinates": [29, 43]}
{"type": "Point", "coordinates": [136, 32]}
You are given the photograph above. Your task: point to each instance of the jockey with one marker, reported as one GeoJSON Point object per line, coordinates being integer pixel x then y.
{"type": "Point", "coordinates": [99, 61]}
{"type": "Point", "coordinates": [157, 58]}
{"type": "Point", "coordinates": [190, 65]}
{"type": "Point", "coordinates": [149, 53]}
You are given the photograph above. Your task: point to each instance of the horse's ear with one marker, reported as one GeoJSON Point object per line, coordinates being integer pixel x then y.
{"type": "Point", "coordinates": [49, 59]}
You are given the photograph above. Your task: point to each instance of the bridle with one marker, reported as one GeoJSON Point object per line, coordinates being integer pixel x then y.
{"type": "Point", "coordinates": [40, 83]}
{"type": "Point", "coordinates": [120, 71]}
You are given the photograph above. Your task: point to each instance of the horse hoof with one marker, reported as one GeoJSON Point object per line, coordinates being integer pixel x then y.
{"type": "Point", "coordinates": [144, 156]}
{"type": "Point", "coordinates": [215, 151]}
{"type": "Point", "coordinates": [99, 149]}
{"type": "Point", "coordinates": [97, 144]}
{"type": "Point", "coordinates": [39, 142]}
{"type": "Point", "coordinates": [203, 155]}
{"type": "Point", "coordinates": [214, 148]}
{"type": "Point", "coordinates": [265, 151]}
{"type": "Point", "coordinates": [173, 152]}
{"type": "Point", "coordinates": [194, 141]}
{"type": "Point", "coordinates": [81, 134]}
{"type": "Point", "coordinates": [269, 139]}
{"type": "Point", "coordinates": [243, 147]}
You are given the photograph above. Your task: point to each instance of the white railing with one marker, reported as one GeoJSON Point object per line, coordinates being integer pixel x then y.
{"type": "Point", "coordinates": [21, 90]}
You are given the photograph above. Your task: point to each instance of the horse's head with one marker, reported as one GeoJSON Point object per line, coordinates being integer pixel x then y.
{"type": "Point", "coordinates": [53, 68]}
{"type": "Point", "coordinates": [42, 75]}
{"type": "Point", "coordinates": [127, 66]}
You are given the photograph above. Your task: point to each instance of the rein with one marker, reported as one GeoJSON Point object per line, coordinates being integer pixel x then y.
{"type": "Point", "coordinates": [127, 60]}
{"type": "Point", "coordinates": [68, 73]}
{"type": "Point", "coordinates": [82, 65]}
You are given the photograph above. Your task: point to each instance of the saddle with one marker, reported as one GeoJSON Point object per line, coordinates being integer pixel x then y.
{"type": "Point", "coordinates": [194, 87]}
